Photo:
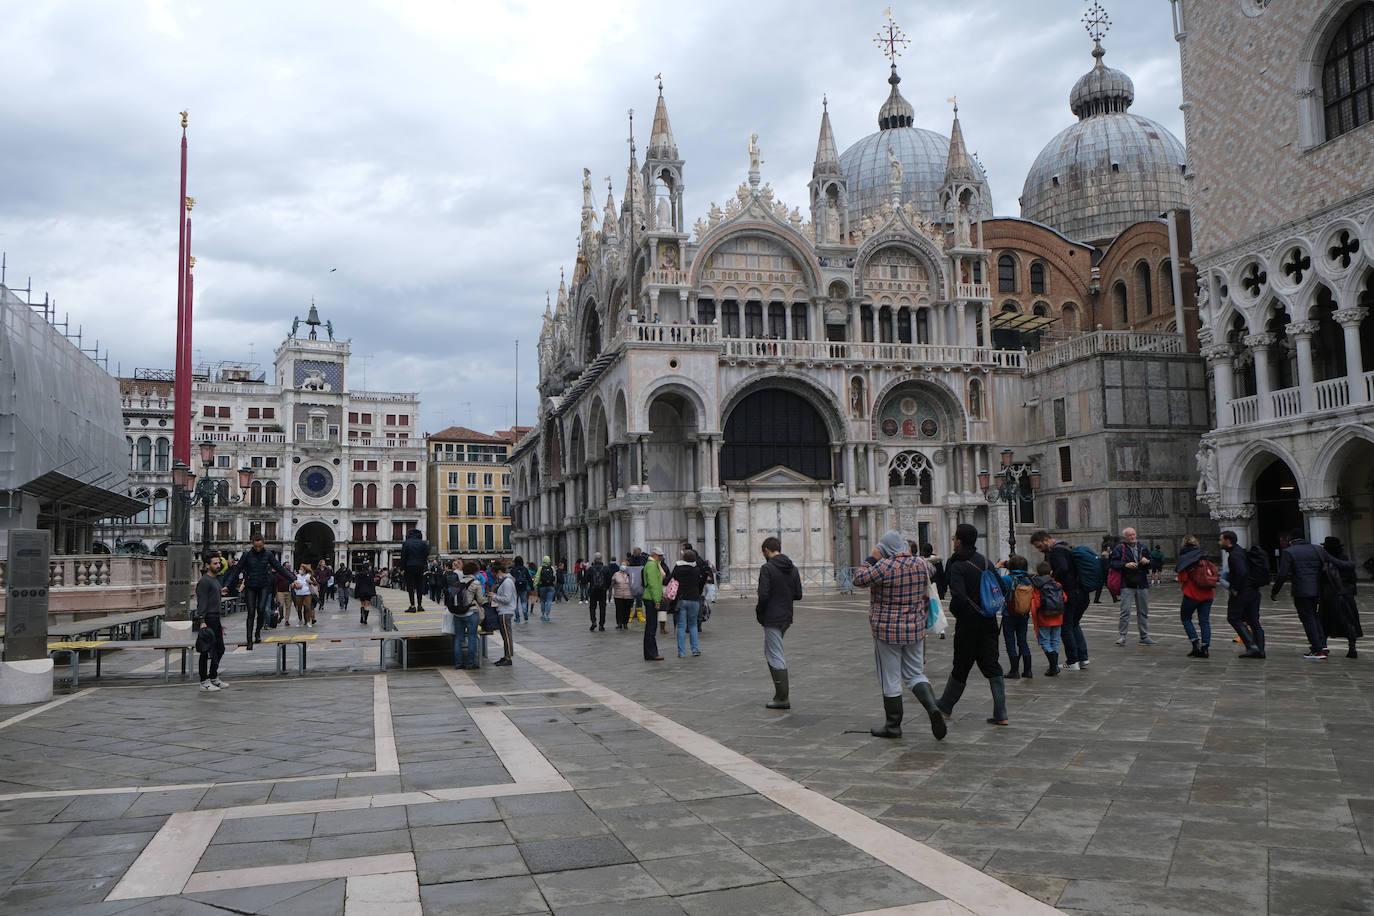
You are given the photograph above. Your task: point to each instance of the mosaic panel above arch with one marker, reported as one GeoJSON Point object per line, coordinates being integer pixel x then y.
{"type": "Point", "coordinates": [754, 259]}
{"type": "Point", "coordinates": [894, 270]}
{"type": "Point", "coordinates": [913, 413]}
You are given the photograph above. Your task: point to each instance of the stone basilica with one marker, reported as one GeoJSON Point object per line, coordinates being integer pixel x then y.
{"type": "Point", "coordinates": [825, 371]}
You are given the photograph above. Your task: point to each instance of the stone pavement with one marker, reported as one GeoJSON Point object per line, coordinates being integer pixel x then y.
{"type": "Point", "coordinates": [585, 780]}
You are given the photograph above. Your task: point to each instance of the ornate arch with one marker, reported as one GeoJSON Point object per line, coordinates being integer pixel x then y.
{"type": "Point", "coordinates": [951, 400]}
{"type": "Point", "coordinates": [798, 246]}
{"type": "Point", "coordinates": [686, 388]}
{"type": "Point", "coordinates": [1325, 468]}
{"type": "Point", "coordinates": [1239, 482]}
{"type": "Point", "coordinates": [822, 398]}
{"type": "Point", "coordinates": [915, 243]}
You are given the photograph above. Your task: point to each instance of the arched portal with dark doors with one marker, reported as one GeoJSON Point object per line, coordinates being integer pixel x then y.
{"type": "Point", "coordinates": [1276, 498]}
{"type": "Point", "coordinates": [314, 542]}
{"type": "Point", "coordinates": [775, 427]}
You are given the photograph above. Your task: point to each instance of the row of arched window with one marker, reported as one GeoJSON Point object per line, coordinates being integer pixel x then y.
{"type": "Point", "coordinates": [148, 454]}
{"type": "Point", "coordinates": [402, 497]}
{"type": "Point", "coordinates": [1137, 301]}
{"type": "Point", "coordinates": [1008, 280]}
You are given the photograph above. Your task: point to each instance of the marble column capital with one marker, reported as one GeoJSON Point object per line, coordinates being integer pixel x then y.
{"type": "Point", "coordinates": [1260, 341]}
{"type": "Point", "coordinates": [1351, 316]}
{"type": "Point", "coordinates": [1301, 329]}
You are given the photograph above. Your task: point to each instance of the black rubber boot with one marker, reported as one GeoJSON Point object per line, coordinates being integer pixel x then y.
{"type": "Point", "coordinates": [1054, 669]}
{"type": "Point", "coordinates": [1197, 650]}
{"type": "Point", "coordinates": [1013, 669]}
{"type": "Point", "coordinates": [953, 691]}
{"type": "Point", "coordinates": [363, 619]}
{"type": "Point", "coordinates": [1252, 643]}
{"type": "Point", "coordinates": [893, 727]}
{"type": "Point", "coordinates": [1206, 651]}
{"type": "Point", "coordinates": [925, 695]}
{"type": "Point", "coordinates": [1026, 666]}
{"type": "Point", "coordinates": [999, 701]}
{"type": "Point", "coordinates": [779, 700]}
{"type": "Point", "coordinates": [1352, 652]}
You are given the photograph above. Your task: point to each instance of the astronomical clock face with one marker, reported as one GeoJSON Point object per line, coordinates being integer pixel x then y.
{"type": "Point", "coordinates": [316, 481]}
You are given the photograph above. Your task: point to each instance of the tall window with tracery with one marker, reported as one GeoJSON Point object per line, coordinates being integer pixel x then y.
{"type": "Point", "coordinates": [912, 469]}
{"type": "Point", "coordinates": [1348, 73]}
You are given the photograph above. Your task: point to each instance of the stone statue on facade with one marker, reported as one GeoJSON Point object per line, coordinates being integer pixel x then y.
{"type": "Point", "coordinates": [755, 153]}
{"type": "Point", "coordinates": [894, 168]}
{"type": "Point", "coordinates": [587, 203]}
{"type": "Point", "coordinates": [1206, 469]}
{"type": "Point", "coordinates": [664, 218]}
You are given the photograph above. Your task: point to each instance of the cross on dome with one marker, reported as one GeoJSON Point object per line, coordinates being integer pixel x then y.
{"type": "Point", "coordinates": [1096, 22]}
{"type": "Point", "coordinates": [891, 36]}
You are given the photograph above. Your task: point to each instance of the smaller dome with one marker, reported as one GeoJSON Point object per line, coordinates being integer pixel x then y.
{"type": "Point", "coordinates": [896, 111]}
{"type": "Point", "coordinates": [1102, 90]}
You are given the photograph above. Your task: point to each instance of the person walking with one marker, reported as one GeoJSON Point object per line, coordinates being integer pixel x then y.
{"type": "Point", "coordinates": [365, 590]}
{"type": "Point", "coordinates": [343, 583]}
{"type": "Point", "coordinates": [1133, 560]}
{"type": "Point", "coordinates": [256, 566]}
{"type": "Point", "coordinates": [1059, 554]}
{"type": "Point", "coordinates": [1198, 576]}
{"type": "Point", "coordinates": [463, 598]}
{"type": "Point", "coordinates": [300, 591]}
{"type": "Point", "coordinates": [898, 605]}
{"type": "Point", "coordinates": [1301, 563]}
{"type": "Point", "coordinates": [524, 584]}
{"type": "Point", "coordinates": [547, 584]}
{"type": "Point", "coordinates": [1156, 565]}
{"type": "Point", "coordinates": [414, 559]}
{"type": "Point", "coordinates": [652, 598]}
{"type": "Point", "coordinates": [1049, 615]}
{"type": "Point", "coordinates": [687, 574]}
{"type": "Point", "coordinates": [1017, 615]}
{"type": "Point", "coordinates": [1342, 619]}
{"type": "Point", "coordinates": [598, 584]}
{"type": "Point", "coordinates": [208, 591]}
{"type": "Point", "coordinates": [622, 595]}
{"type": "Point", "coordinates": [779, 588]}
{"type": "Point", "coordinates": [975, 633]}
{"type": "Point", "coordinates": [1244, 580]}
{"type": "Point", "coordinates": [503, 600]}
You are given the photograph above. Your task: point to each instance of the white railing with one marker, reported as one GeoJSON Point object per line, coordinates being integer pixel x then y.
{"type": "Point", "coordinates": [1095, 342]}
{"type": "Point", "coordinates": [260, 438]}
{"type": "Point", "coordinates": [663, 276]}
{"type": "Point", "coordinates": [1245, 410]}
{"type": "Point", "coordinates": [846, 351]}
{"type": "Point", "coordinates": [384, 396]}
{"type": "Point", "coordinates": [1287, 403]}
{"type": "Point", "coordinates": [636, 334]}
{"type": "Point", "coordinates": [382, 443]}
{"type": "Point", "coordinates": [972, 291]}
{"type": "Point", "coordinates": [1332, 393]}
{"type": "Point", "coordinates": [1369, 386]}
{"type": "Point", "coordinates": [257, 388]}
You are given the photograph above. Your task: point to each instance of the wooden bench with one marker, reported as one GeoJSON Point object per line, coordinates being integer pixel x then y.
{"type": "Point", "coordinates": [72, 650]}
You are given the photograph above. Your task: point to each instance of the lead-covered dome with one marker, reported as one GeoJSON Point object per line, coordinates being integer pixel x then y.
{"type": "Point", "coordinates": [923, 154]}
{"type": "Point", "coordinates": [1110, 170]}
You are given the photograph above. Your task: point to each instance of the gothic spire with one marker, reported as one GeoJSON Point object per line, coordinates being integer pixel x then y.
{"type": "Point", "coordinates": [957, 166]}
{"type": "Point", "coordinates": [661, 144]}
{"type": "Point", "coordinates": [827, 157]}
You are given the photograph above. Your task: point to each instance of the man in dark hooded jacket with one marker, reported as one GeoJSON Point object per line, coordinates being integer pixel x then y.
{"type": "Point", "coordinates": [256, 565]}
{"type": "Point", "coordinates": [414, 560]}
{"type": "Point", "coordinates": [779, 586]}
{"type": "Point", "coordinates": [1302, 563]}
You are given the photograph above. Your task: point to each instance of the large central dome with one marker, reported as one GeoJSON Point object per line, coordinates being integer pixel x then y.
{"type": "Point", "coordinates": [923, 154]}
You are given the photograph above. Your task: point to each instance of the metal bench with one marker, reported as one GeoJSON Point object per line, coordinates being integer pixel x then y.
{"type": "Point", "coordinates": [72, 650]}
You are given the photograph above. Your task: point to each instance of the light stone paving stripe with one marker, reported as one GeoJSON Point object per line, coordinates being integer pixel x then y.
{"type": "Point", "coordinates": [394, 894]}
{"type": "Point", "coordinates": [168, 861]}
{"type": "Point", "coordinates": [929, 908]}
{"type": "Point", "coordinates": [384, 735]}
{"type": "Point", "coordinates": [14, 720]}
{"type": "Point", "coordinates": [236, 878]}
{"type": "Point", "coordinates": [175, 787]}
{"type": "Point", "coordinates": [947, 876]}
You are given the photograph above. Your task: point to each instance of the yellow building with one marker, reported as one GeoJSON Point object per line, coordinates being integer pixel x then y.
{"type": "Point", "coordinates": [469, 492]}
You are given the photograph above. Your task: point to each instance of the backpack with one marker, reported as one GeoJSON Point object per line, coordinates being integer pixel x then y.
{"type": "Point", "coordinates": [547, 579]}
{"type": "Point", "coordinates": [1022, 595]}
{"type": "Point", "coordinates": [600, 577]}
{"type": "Point", "coordinates": [456, 595]}
{"type": "Point", "coordinates": [1204, 574]}
{"type": "Point", "coordinates": [990, 594]}
{"type": "Point", "coordinates": [636, 574]}
{"type": "Point", "coordinates": [522, 578]}
{"type": "Point", "coordinates": [1087, 566]}
{"type": "Point", "coordinates": [1258, 560]}
{"type": "Point", "coordinates": [1052, 601]}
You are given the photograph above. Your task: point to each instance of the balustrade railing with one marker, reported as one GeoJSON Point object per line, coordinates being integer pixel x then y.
{"type": "Point", "coordinates": [972, 291]}
{"type": "Point", "coordinates": [1332, 393]}
{"type": "Point", "coordinates": [1095, 342]}
{"type": "Point", "coordinates": [1245, 410]}
{"type": "Point", "coordinates": [637, 334]}
{"type": "Point", "coordinates": [258, 438]}
{"type": "Point", "coordinates": [1287, 403]}
{"type": "Point", "coordinates": [848, 351]}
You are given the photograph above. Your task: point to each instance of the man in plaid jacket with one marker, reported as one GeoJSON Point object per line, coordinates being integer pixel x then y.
{"type": "Point", "coordinates": [899, 585]}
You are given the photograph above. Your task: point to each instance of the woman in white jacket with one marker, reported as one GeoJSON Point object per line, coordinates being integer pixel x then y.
{"type": "Point", "coordinates": [504, 600]}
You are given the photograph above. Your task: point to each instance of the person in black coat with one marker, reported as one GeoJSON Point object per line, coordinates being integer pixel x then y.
{"type": "Point", "coordinates": [1243, 598]}
{"type": "Point", "coordinates": [1301, 562]}
{"type": "Point", "coordinates": [415, 557]}
{"type": "Point", "coordinates": [779, 586]}
{"type": "Point", "coordinates": [365, 590]}
{"type": "Point", "coordinates": [1343, 619]}
{"type": "Point", "coordinates": [975, 634]}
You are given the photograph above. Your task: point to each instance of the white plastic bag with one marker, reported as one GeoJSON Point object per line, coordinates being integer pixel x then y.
{"type": "Point", "coordinates": [940, 623]}
{"type": "Point", "coordinates": [446, 623]}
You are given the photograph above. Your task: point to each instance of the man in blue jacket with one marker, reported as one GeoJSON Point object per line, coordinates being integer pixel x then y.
{"type": "Point", "coordinates": [256, 566]}
{"type": "Point", "coordinates": [1243, 599]}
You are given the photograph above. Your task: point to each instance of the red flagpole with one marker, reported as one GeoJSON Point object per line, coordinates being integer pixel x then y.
{"type": "Point", "coordinates": [181, 422]}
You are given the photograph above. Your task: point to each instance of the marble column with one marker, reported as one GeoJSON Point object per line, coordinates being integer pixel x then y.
{"type": "Point", "coordinates": [1259, 345]}
{"type": "Point", "coordinates": [1350, 320]}
{"type": "Point", "coordinates": [1317, 512]}
{"type": "Point", "coordinates": [1222, 358]}
{"type": "Point", "coordinates": [1301, 332]}
{"type": "Point", "coordinates": [709, 534]}
{"type": "Point", "coordinates": [638, 517]}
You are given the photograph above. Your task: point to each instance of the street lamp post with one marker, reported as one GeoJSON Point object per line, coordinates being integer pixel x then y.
{"type": "Point", "coordinates": [203, 491]}
{"type": "Point", "coordinates": [1010, 488]}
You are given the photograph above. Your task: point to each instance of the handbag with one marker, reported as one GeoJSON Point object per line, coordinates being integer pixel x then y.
{"type": "Point", "coordinates": [1114, 582]}
{"type": "Point", "coordinates": [491, 620]}
{"type": "Point", "coordinates": [446, 625]}
{"type": "Point", "coordinates": [205, 640]}
{"type": "Point", "coordinates": [933, 614]}
{"type": "Point", "coordinates": [670, 590]}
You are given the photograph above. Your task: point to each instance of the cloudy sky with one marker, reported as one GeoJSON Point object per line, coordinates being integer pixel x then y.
{"type": "Point", "coordinates": [415, 165]}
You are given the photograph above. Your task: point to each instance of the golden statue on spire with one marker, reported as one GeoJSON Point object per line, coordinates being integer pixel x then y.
{"type": "Point", "coordinates": [891, 39]}
{"type": "Point", "coordinates": [184, 115]}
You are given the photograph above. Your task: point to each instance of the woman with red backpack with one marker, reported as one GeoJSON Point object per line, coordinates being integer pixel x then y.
{"type": "Point", "coordinates": [1198, 576]}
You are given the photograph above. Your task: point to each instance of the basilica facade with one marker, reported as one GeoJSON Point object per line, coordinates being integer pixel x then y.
{"type": "Point", "coordinates": [873, 353]}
